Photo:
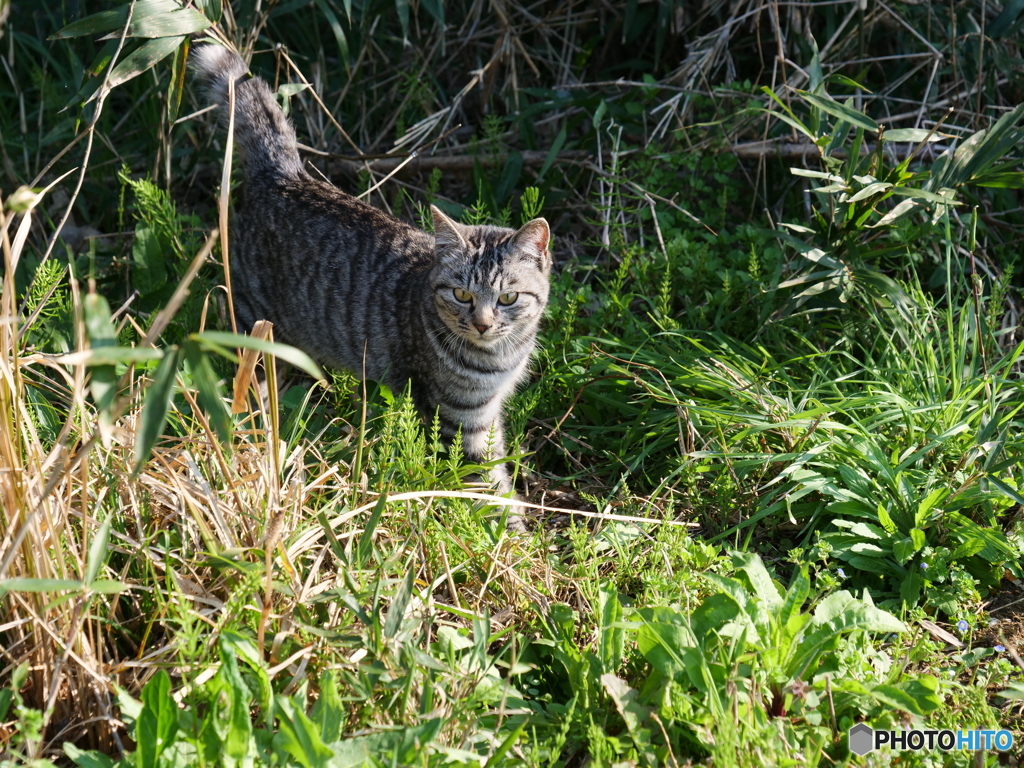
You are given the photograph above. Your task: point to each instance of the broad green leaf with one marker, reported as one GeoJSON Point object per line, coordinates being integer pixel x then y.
{"type": "Point", "coordinates": [715, 613]}
{"type": "Point", "coordinates": [176, 23]}
{"type": "Point", "coordinates": [885, 519]}
{"type": "Point", "coordinates": [918, 537]}
{"type": "Point", "coordinates": [611, 636]}
{"type": "Point", "coordinates": [361, 751]}
{"type": "Point", "coordinates": [937, 496]}
{"type": "Point", "coordinates": [910, 587]}
{"type": "Point", "coordinates": [829, 275]}
{"type": "Point", "coordinates": [157, 722]}
{"type": "Point", "coordinates": [97, 321]}
{"type": "Point", "coordinates": [157, 403]}
{"type": "Point", "coordinates": [751, 566]}
{"type": "Point", "coordinates": [245, 649]}
{"type": "Point", "coordinates": [298, 736]}
{"type": "Point", "coordinates": [330, 712]}
{"type": "Point", "coordinates": [142, 59]}
{"type": "Point", "coordinates": [87, 759]}
{"type": "Point", "coordinates": [220, 339]}
{"type": "Point", "coordinates": [903, 549]}
{"type": "Point", "coordinates": [842, 111]}
{"type": "Point", "coordinates": [910, 697]}
{"type": "Point", "coordinates": [1013, 692]}
{"type": "Point", "coordinates": [633, 714]}
{"type": "Point", "coordinates": [232, 699]}
{"type": "Point", "coordinates": [790, 621]}
{"type": "Point", "coordinates": [862, 530]}
{"type": "Point", "coordinates": [665, 634]}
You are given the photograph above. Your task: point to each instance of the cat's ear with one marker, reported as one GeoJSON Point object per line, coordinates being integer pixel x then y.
{"type": "Point", "coordinates": [534, 236]}
{"type": "Point", "coordinates": [446, 231]}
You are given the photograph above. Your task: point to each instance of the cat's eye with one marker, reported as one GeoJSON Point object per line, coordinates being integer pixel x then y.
{"type": "Point", "coordinates": [461, 294]}
{"type": "Point", "coordinates": [508, 298]}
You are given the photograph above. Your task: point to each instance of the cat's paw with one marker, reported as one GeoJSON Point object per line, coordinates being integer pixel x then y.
{"type": "Point", "coordinates": [516, 522]}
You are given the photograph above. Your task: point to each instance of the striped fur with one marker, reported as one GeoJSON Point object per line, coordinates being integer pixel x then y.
{"type": "Point", "coordinates": [359, 289]}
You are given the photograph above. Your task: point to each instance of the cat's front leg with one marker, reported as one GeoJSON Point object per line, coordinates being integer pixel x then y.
{"type": "Point", "coordinates": [485, 446]}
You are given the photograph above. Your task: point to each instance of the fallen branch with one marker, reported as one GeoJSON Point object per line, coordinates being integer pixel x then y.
{"type": "Point", "coordinates": [450, 163]}
{"type": "Point", "coordinates": [749, 150]}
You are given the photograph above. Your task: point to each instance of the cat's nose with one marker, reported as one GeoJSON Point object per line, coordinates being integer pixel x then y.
{"type": "Point", "coordinates": [481, 327]}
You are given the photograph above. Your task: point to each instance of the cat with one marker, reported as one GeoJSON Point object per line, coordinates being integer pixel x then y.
{"type": "Point", "coordinates": [454, 314]}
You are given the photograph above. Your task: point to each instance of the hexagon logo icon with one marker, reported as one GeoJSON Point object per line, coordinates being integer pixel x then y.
{"type": "Point", "coordinates": [861, 739]}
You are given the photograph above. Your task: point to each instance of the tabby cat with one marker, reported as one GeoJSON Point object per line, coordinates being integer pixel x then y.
{"type": "Point", "coordinates": [454, 313]}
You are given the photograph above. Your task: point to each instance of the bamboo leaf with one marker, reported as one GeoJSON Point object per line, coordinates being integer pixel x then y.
{"type": "Point", "coordinates": [142, 59]}
{"type": "Point", "coordinates": [842, 111]}
{"type": "Point", "coordinates": [914, 135]}
{"type": "Point", "coordinates": [212, 9]}
{"type": "Point", "coordinates": [150, 18]}
{"type": "Point", "coordinates": [870, 190]}
{"type": "Point", "coordinates": [898, 212]}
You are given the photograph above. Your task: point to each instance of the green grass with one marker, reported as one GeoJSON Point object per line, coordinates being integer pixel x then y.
{"type": "Point", "coordinates": [772, 441]}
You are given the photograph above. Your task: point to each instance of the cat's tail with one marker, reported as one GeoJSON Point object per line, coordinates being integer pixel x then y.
{"type": "Point", "coordinates": [262, 132]}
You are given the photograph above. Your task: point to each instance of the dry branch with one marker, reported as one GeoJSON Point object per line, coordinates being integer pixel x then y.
{"type": "Point", "coordinates": [749, 150]}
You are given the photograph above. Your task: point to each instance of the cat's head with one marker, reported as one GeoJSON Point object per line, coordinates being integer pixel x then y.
{"type": "Point", "coordinates": [490, 284]}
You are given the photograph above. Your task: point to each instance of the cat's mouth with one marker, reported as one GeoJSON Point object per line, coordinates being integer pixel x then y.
{"type": "Point", "coordinates": [482, 340]}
